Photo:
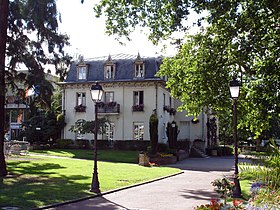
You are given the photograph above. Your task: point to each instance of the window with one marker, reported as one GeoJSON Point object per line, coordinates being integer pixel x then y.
{"type": "Point", "coordinates": [109, 131]}
{"type": "Point", "coordinates": [138, 129]}
{"type": "Point", "coordinates": [82, 72]}
{"type": "Point", "coordinates": [138, 97]}
{"type": "Point", "coordinates": [81, 99]}
{"type": "Point", "coordinates": [164, 99]}
{"type": "Point", "coordinates": [138, 101]}
{"type": "Point", "coordinates": [139, 67]}
{"type": "Point", "coordinates": [109, 71]}
{"type": "Point", "coordinates": [109, 97]}
{"type": "Point", "coordinates": [139, 70]}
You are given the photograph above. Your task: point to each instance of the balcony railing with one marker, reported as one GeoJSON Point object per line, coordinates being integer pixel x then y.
{"type": "Point", "coordinates": [110, 107]}
{"type": "Point", "coordinates": [138, 108]}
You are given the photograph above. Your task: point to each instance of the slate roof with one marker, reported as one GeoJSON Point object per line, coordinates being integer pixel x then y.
{"type": "Point", "coordinates": [124, 68]}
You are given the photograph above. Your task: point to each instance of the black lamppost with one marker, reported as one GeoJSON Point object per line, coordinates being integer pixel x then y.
{"type": "Point", "coordinates": [96, 95]}
{"type": "Point", "coordinates": [234, 92]}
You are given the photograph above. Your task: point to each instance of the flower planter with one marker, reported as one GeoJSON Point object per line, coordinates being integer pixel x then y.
{"type": "Point", "coordinates": [144, 160]}
{"type": "Point", "coordinates": [214, 152]}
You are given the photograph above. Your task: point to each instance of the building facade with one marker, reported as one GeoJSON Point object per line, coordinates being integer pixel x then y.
{"type": "Point", "coordinates": [132, 93]}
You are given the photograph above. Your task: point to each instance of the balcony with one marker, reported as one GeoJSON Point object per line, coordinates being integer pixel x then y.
{"type": "Point", "coordinates": [80, 108]}
{"type": "Point", "coordinates": [138, 108]}
{"type": "Point", "coordinates": [108, 108]}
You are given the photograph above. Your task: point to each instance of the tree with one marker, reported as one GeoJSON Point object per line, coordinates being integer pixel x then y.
{"type": "Point", "coordinates": [28, 36]}
{"type": "Point", "coordinates": [241, 38]}
{"type": "Point", "coordinates": [82, 126]}
{"type": "Point", "coordinates": [3, 37]}
{"type": "Point", "coordinates": [153, 130]}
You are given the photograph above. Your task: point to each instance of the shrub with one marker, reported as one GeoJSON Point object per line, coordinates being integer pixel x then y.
{"type": "Point", "coordinates": [103, 144]}
{"type": "Point", "coordinates": [183, 145]}
{"type": "Point", "coordinates": [153, 129]}
{"type": "Point", "coordinates": [162, 147]}
{"type": "Point", "coordinates": [223, 187]}
{"type": "Point", "coordinates": [83, 143]}
{"type": "Point", "coordinates": [64, 143]}
{"type": "Point", "coordinates": [131, 145]}
{"type": "Point", "coordinates": [224, 150]}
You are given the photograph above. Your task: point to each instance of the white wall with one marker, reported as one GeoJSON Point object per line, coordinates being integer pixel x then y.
{"type": "Point", "coordinates": [123, 95]}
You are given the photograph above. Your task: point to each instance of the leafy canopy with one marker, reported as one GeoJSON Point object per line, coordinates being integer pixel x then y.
{"type": "Point", "coordinates": [33, 39]}
{"type": "Point", "coordinates": [241, 38]}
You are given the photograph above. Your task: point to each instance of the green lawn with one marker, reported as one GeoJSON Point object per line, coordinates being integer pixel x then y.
{"type": "Point", "coordinates": [39, 181]}
{"type": "Point", "coordinates": [103, 155]}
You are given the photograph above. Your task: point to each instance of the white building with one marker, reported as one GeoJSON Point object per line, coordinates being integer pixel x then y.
{"type": "Point", "coordinates": [132, 92]}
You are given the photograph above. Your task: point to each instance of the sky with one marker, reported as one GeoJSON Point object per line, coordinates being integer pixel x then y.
{"type": "Point", "coordinates": [88, 38]}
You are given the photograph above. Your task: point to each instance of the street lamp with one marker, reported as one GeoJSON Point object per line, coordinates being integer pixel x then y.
{"type": "Point", "coordinates": [234, 92]}
{"type": "Point", "coordinates": [96, 92]}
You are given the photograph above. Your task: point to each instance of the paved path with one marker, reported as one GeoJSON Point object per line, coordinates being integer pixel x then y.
{"type": "Point", "coordinates": [180, 192]}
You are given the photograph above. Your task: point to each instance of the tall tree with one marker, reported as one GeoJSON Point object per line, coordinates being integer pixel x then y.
{"type": "Point", "coordinates": [29, 36]}
{"type": "Point", "coordinates": [240, 38]}
{"type": "Point", "coordinates": [3, 36]}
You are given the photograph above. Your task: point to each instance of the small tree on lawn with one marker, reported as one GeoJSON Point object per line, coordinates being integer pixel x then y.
{"type": "Point", "coordinates": [82, 126]}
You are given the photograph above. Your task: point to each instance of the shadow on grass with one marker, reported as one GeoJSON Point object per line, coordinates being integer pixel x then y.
{"type": "Point", "coordinates": [103, 155]}
{"type": "Point", "coordinates": [32, 186]}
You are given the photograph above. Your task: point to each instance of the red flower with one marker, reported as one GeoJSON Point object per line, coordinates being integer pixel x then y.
{"type": "Point", "coordinates": [236, 203]}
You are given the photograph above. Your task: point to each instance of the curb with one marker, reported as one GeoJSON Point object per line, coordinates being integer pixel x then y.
{"type": "Point", "coordinates": [105, 193]}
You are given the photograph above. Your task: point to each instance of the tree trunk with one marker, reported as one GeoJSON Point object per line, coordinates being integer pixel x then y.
{"type": "Point", "coordinates": [4, 8]}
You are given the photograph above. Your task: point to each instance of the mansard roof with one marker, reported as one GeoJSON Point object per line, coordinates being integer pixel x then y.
{"type": "Point", "coordinates": [124, 67]}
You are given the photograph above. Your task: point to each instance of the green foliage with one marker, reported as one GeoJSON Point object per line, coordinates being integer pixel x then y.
{"type": "Point", "coordinates": [266, 198]}
{"type": "Point", "coordinates": [49, 128]}
{"type": "Point", "coordinates": [224, 188]}
{"type": "Point", "coordinates": [64, 143]}
{"type": "Point", "coordinates": [240, 38]}
{"type": "Point", "coordinates": [153, 128]}
{"type": "Point", "coordinates": [83, 143]}
{"type": "Point", "coordinates": [39, 18]}
{"type": "Point", "coordinates": [269, 170]}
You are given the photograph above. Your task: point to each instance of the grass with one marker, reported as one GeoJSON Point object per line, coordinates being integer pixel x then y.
{"type": "Point", "coordinates": [39, 181]}
{"type": "Point", "coordinates": [103, 155]}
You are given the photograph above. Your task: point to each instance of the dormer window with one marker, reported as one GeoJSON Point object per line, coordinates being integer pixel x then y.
{"type": "Point", "coordinates": [139, 67]}
{"type": "Point", "coordinates": [82, 72]}
{"type": "Point", "coordinates": [109, 70]}
{"type": "Point", "coordinates": [82, 69]}
{"type": "Point", "coordinates": [139, 70]}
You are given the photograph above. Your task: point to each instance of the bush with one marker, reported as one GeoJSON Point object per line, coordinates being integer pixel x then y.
{"type": "Point", "coordinates": [131, 145]}
{"type": "Point", "coordinates": [64, 143]}
{"type": "Point", "coordinates": [224, 151]}
{"type": "Point", "coordinates": [221, 150]}
{"type": "Point", "coordinates": [83, 143]}
{"type": "Point", "coordinates": [183, 145]}
{"type": "Point", "coordinates": [162, 147]}
{"type": "Point", "coordinates": [103, 144]}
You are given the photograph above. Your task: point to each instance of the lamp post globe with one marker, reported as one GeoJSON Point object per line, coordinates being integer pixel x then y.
{"type": "Point", "coordinates": [96, 92]}
{"type": "Point", "coordinates": [234, 92]}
